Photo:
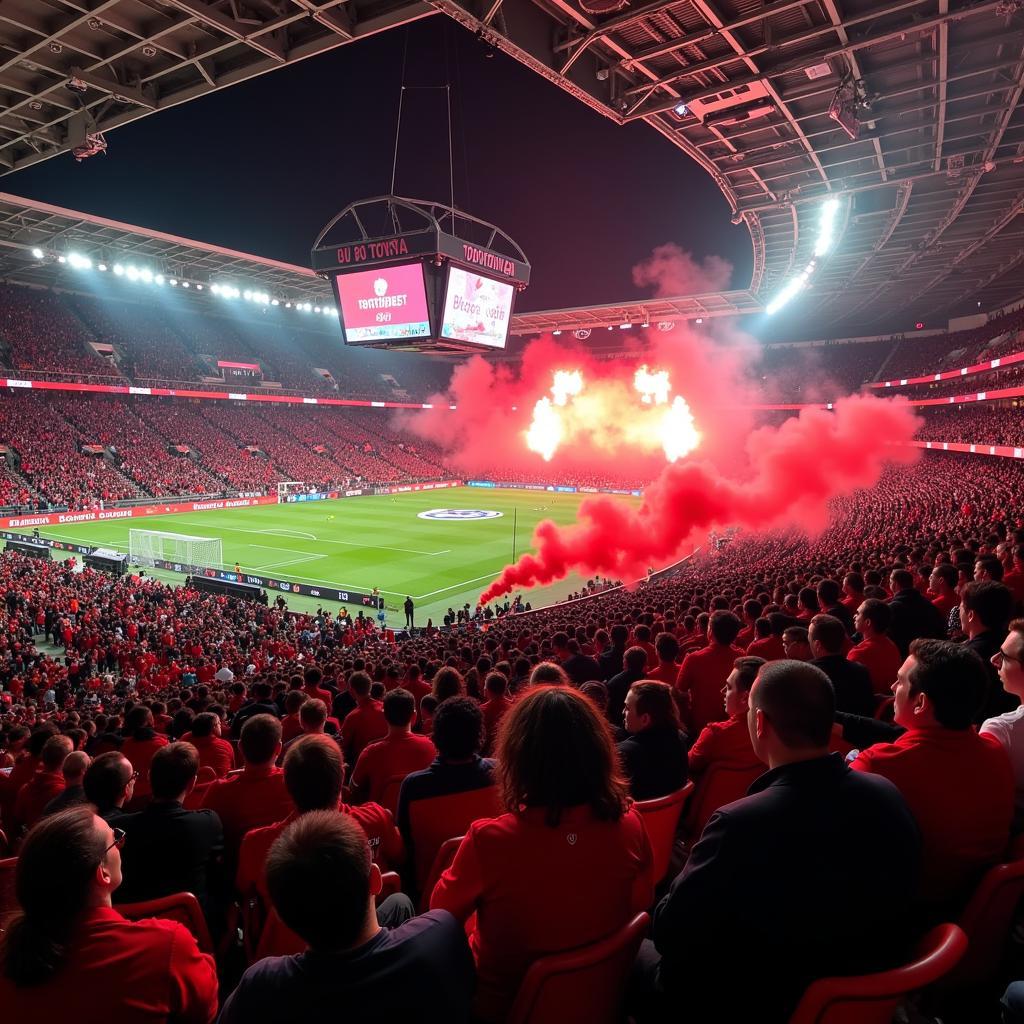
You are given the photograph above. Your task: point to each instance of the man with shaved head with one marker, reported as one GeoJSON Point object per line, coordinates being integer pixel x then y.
{"type": "Point", "coordinates": [791, 883]}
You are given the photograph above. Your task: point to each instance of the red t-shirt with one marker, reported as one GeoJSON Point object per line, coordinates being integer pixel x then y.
{"type": "Point", "coordinates": [769, 647]}
{"type": "Point", "coordinates": [400, 754]}
{"type": "Point", "coordinates": [140, 753]}
{"type": "Point", "coordinates": [363, 724]}
{"type": "Point", "coordinates": [725, 742]}
{"type": "Point", "coordinates": [253, 798]}
{"type": "Point", "coordinates": [667, 673]}
{"type": "Point", "coordinates": [35, 795]}
{"type": "Point", "coordinates": [514, 872]}
{"type": "Point", "coordinates": [946, 603]}
{"type": "Point", "coordinates": [960, 788]}
{"type": "Point", "coordinates": [494, 711]}
{"type": "Point", "coordinates": [881, 657]}
{"type": "Point", "coordinates": [702, 676]}
{"type": "Point", "coordinates": [132, 972]}
{"type": "Point", "coordinates": [215, 753]}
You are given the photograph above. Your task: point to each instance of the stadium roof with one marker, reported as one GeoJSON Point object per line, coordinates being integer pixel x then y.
{"type": "Point", "coordinates": [932, 184]}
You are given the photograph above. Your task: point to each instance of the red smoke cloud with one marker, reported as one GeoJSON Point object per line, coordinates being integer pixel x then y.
{"type": "Point", "coordinates": [485, 435]}
{"type": "Point", "coordinates": [671, 271]}
{"type": "Point", "coordinates": [796, 469]}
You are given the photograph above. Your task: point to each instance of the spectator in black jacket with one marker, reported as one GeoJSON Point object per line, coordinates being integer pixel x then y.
{"type": "Point", "coordinates": [793, 882]}
{"type": "Point", "coordinates": [634, 665]}
{"type": "Point", "coordinates": [914, 617]}
{"type": "Point", "coordinates": [169, 849]}
{"type": "Point", "coordinates": [985, 610]}
{"type": "Point", "coordinates": [851, 682]}
{"type": "Point", "coordinates": [654, 755]}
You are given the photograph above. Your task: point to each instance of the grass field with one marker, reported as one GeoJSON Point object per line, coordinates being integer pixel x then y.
{"type": "Point", "coordinates": [371, 542]}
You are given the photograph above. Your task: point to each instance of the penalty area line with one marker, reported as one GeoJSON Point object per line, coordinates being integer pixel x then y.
{"type": "Point", "coordinates": [457, 586]}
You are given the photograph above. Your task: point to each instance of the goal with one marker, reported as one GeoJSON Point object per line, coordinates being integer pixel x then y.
{"type": "Point", "coordinates": [287, 487]}
{"type": "Point", "coordinates": [147, 547]}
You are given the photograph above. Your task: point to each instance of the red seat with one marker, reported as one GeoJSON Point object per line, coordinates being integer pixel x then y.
{"type": "Point", "coordinates": [443, 860]}
{"type": "Point", "coordinates": [182, 907]}
{"type": "Point", "coordinates": [194, 801]}
{"type": "Point", "coordinates": [987, 921]}
{"type": "Point", "coordinates": [720, 784]}
{"type": "Point", "coordinates": [206, 774]}
{"type": "Point", "coordinates": [661, 818]}
{"type": "Point", "coordinates": [8, 900]}
{"type": "Point", "coordinates": [585, 984]}
{"type": "Point", "coordinates": [433, 821]}
{"type": "Point", "coordinates": [873, 998]}
{"type": "Point", "coordinates": [389, 798]}
{"type": "Point", "coordinates": [4, 845]}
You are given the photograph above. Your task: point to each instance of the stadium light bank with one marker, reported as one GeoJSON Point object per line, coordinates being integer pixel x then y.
{"type": "Point", "coordinates": [823, 245]}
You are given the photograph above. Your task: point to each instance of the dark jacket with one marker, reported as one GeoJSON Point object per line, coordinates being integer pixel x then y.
{"type": "Point", "coordinates": [997, 700]}
{"type": "Point", "coordinates": [581, 669]}
{"type": "Point", "coordinates": [914, 617]}
{"type": "Point", "coordinates": [618, 687]}
{"type": "Point", "coordinates": [851, 682]}
{"type": "Point", "coordinates": [655, 761]}
{"type": "Point", "coordinates": [169, 850]}
{"type": "Point", "coordinates": [793, 882]}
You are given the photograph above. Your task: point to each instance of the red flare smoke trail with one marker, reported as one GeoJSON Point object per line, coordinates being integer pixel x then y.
{"type": "Point", "coordinates": [797, 468]}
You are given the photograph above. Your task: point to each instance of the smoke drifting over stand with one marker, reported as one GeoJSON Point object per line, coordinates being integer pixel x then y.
{"type": "Point", "coordinates": [796, 469]}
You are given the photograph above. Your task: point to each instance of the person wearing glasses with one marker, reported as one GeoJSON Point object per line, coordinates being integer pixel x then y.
{"type": "Point", "coordinates": [109, 784]}
{"type": "Point", "coordinates": [1008, 728]}
{"type": "Point", "coordinates": [69, 955]}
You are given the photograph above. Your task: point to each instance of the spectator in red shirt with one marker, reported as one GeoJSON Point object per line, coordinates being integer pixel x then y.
{"type": "Point", "coordinates": [109, 783]}
{"type": "Point", "coordinates": [400, 753]}
{"type": "Point", "coordinates": [494, 708]}
{"type": "Point", "coordinates": [47, 783]}
{"type": "Point", "coordinates": [365, 722]}
{"type": "Point", "coordinates": [769, 630]}
{"type": "Point", "coordinates": [141, 743]}
{"type": "Point", "coordinates": [290, 724]}
{"type": "Point", "coordinates": [729, 742]}
{"type": "Point", "coordinates": [751, 613]}
{"type": "Point", "coordinates": [70, 956]}
{"type": "Point", "coordinates": [312, 719]}
{"type": "Point", "coordinates": [703, 673]}
{"type": "Point", "coordinates": [568, 823]}
{"type": "Point", "coordinates": [942, 588]}
{"type": "Point", "coordinates": [1014, 576]}
{"type": "Point", "coordinates": [853, 590]}
{"type": "Point", "coordinates": [214, 752]}
{"type": "Point", "coordinates": [876, 651]}
{"type": "Point", "coordinates": [314, 773]}
{"type": "Point", "coordinates": [958, 785]}
{"type": "Point", "coordinates": [666, 668]}
{"type": "Point", "coordinates": [312, 677]}
{"type": "Point", "coordinates": [257, 796]}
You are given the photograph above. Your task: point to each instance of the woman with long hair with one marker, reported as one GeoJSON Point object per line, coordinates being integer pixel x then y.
{"type": "Point", "coordinates": [69, 955]}
{"type": "Point", "coordinates": [567, 864]}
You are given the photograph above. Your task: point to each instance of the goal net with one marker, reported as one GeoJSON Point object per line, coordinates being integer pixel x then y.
{"type": "Point", "coordinates": [147, 547]}
{"type": "Point", "coordinates": [287, 487]}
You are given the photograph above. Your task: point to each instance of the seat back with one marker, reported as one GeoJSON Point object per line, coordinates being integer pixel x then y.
{"type": "Point", "coordinates": [585, 984]}
{"type": "Point", "coordinates": [873, 998]}
{"type": "Point", "coordinates": [205, 774]}
{"type": "Point", "coordinates": [433, 821]}
{"type": "Point", "coordinates": [445, 855]}
{"type": "Point", "coordinates": [389, 798]}
{"type": "Point", "coordinates": [8, 900]}
{"type": "Point", "coordinates": [182, 907]}
{"type": "Point", "coordinates": [721, 784]}
{"type": "Point", "coordinates": [661, 818]}
{"type": "Point", "coordinates": [987, 921]}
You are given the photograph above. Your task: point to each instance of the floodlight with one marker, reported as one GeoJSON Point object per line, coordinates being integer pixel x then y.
{"type": "Point", "coordinates": [146, 275]}
{"type": "Point", "coordinates": [680, 109]}
{"type": "Point", "coordinates": [101, 266]}
{"type": "Point", "coordinates": [184, 284]}
{"type": "Point", "coordinates": [79, 262]}
{"type": "Point", "coordinates": [37, 254]}
{"type": "Point", "coordinates": [61, 259]}
{"type": "Point", "coordinates": [133, 274]}
{"type": "Point", "coordinates": [826, 226]}
{"type": "Point", "coordinates": [159, 279]}
{"type": "Point", "coordinates": [174, 282]}
{"type": "Point", "coordinates": [275, 302]}
{"type": "Point", "coordinates": [119, 270]}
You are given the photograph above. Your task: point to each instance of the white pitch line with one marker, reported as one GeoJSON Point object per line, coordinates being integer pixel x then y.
{"type": "Point", "coordinates": [288, 533]}
{"type": "Point", "coordinates": [456, 586]}
{"type": "Point", "coordinates": [291, 561]}
{"type": "Point", "coordinates": [345, 543]}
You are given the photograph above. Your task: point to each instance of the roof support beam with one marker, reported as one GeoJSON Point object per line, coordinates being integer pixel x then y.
{"type": "Point", "coordinates": [212, 17]}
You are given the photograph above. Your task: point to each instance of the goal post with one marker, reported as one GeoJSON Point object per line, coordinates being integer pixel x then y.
{"type": "Point", "coordinates": [147, 547]}
{"type": "Point", "coordinates": [287, 487]}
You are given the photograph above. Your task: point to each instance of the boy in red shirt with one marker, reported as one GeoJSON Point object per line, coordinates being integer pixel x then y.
{"type": "Point", "coordinates": [729, 742]}
{"type": "Point", "coordinates": [365, 722]}
{"type": "Point", "coordinates": [703, 673]}
{"type": "Point", "coordinates": [400, 752]}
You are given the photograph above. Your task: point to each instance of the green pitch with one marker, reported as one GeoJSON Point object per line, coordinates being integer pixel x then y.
{"type": "Point", "coordinates": [370, 542]}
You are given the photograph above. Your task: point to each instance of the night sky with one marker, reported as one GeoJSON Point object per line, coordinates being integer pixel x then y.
{"type": "Point", "coordinates": [263, 165]}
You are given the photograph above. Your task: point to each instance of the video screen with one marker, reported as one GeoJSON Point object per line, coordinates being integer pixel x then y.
{"type": "Point", "coordinates": [384, 304]}
{"type": "Point", "coordinates": [477, 309]}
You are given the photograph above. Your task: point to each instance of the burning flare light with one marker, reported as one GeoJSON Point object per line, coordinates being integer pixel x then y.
{"type": "Point", "coordinates": [607, 413]}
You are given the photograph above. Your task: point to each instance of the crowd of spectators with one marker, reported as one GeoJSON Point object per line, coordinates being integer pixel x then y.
{"type": "Point", "coordinates": [972, 423]}
{"type": "Point", "coordinates": [885, 639]}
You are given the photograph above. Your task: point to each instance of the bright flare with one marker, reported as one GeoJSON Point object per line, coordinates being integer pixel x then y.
{"type": "Point", "coordinates": [653, 387]}
{"type": "Point", "coordinates": [545, 431]}
{"type": "Point", "coordinates": [567, 384]}
{"type": "Point", "coordinates": [679, 434]}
